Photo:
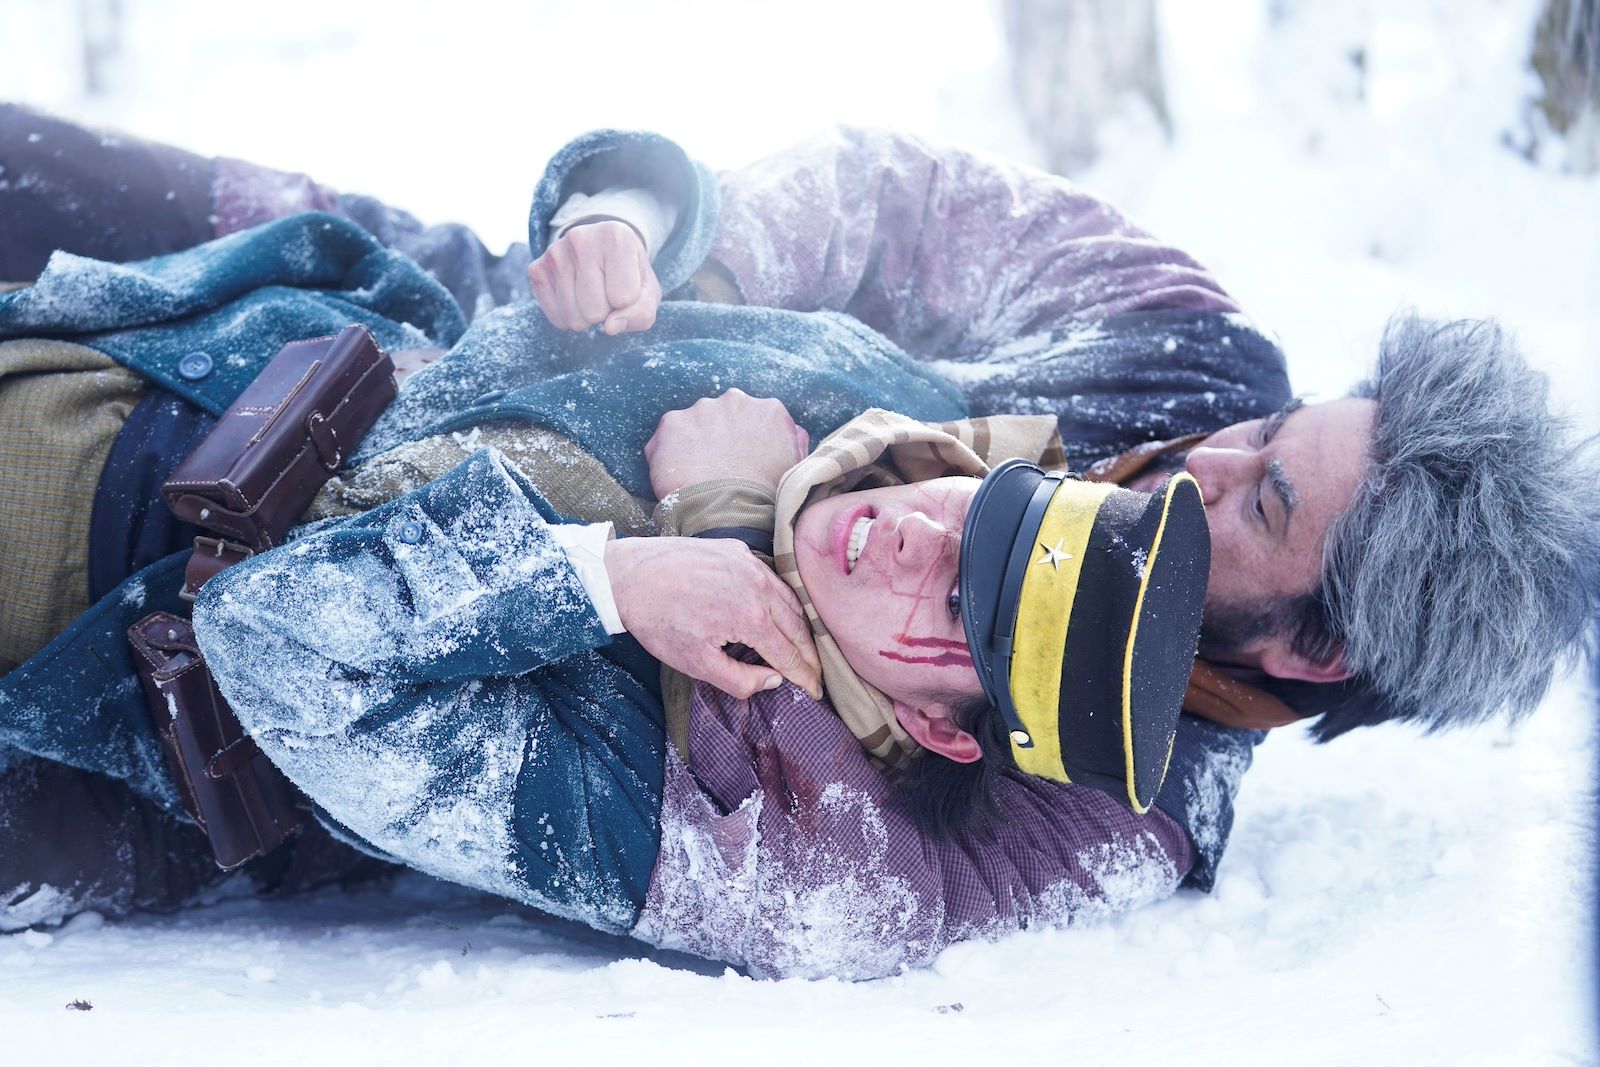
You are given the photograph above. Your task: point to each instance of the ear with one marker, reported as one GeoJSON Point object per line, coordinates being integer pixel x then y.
{"type": "Point", "coordinates": [934, 729]}
{"type": "Point", "coordinates": [1280, 661]}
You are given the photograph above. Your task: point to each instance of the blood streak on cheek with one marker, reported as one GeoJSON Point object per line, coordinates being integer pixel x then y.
{"type": "Point", "coordinates": [943, 659]}
{"type": "Point", "coordinates": [950, 654]}
{"type": "Point", "coordinates": [928, 642]}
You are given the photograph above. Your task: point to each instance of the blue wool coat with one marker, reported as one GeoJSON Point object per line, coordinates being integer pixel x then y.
{"type": "Point", "coordinates": [240, 298]}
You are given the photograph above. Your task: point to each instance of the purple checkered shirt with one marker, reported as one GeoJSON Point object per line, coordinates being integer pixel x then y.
{"type": "Point", "coordinates": [785, 851]}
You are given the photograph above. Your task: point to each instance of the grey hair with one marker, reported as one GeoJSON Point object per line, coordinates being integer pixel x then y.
{"type": "Point", "coordinates": [1464, 572]}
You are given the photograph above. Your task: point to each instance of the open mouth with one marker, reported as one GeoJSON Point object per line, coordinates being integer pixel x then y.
{"type": "Point", "coordinates": [860, 530]}
{"type": "Point", "coordinates": [848, 537]}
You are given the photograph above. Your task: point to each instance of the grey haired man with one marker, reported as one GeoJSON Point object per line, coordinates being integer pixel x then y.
{"type": "Point", "coordinates": [1424, 549]}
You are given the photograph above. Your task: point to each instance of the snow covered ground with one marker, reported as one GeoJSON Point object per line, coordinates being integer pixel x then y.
{"type": "Point", "coordinates": [1388, 898]}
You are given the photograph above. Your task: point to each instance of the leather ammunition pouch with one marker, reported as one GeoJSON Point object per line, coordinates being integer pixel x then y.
{"type": "Point", "coordinates": [242, 802]}
{"type": "Point", "coordinates": [249, 481]}
{"type": "Point", "coordinates": [258, 469]}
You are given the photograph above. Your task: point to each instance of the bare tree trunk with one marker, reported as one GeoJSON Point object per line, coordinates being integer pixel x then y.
{"type": "Point", "coordinates": [1075, 63]}
{"type": "Point", "coordinates": [1566, 57]}
{"type": "Point", "coordinates": [101, 21]}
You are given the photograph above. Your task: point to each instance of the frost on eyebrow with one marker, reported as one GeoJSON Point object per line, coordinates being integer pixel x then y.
{"type": "Point", "coordinates": [1283, 486]}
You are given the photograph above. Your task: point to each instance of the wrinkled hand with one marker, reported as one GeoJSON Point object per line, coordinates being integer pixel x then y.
{"type": "Point", "coordinates": [685, 599]}
{"type": "Point", "coordinates": [597, 273]}
{"type": "Point", "coordinates": [734, 436]}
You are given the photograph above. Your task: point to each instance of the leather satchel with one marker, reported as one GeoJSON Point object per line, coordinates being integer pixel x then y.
{"type": "Point", "coordinates": [243, 803]}
{"type": "Point", "coordinates": [257, 471]}
{"type": "Point", "coordinates": [248, 482]}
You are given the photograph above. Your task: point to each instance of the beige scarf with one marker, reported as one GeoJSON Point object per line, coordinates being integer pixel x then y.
{"type": "Point", "coordinates": [879, 448]}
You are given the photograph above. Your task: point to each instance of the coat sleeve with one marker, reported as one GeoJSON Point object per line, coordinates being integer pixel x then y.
{"type": "Point", "coordinates": [945, 251]}
{"type": "Point", "coordinates": [425, 672]}
{"type": "Point", "coordinates": [459, 580]}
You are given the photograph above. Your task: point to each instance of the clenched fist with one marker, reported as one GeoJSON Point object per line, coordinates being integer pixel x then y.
{"type": "Point", "coordinates": [597, 273]}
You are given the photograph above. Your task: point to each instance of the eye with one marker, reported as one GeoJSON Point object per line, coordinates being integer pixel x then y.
{"type": "Point", "coordinates": [954, 602]}
{"type": "Point", "coordinates": [1257, 508]}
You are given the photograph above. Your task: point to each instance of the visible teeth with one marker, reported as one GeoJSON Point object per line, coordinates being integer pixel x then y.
{"type": "Point", "coordinates": [858, 540]}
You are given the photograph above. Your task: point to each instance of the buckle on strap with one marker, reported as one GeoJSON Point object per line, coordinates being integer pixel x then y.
{"type": "Point", "coordinates": [212, 556]}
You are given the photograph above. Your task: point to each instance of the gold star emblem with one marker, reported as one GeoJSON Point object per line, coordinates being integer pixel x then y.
{"type": "Point", "coordinates": [1053, 555]}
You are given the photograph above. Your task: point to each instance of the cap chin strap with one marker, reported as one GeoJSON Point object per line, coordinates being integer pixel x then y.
{"type": "Point", "coordinates": [1005, 624]}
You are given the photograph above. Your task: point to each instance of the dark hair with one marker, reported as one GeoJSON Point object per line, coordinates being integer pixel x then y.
{"type": "Point", "coordinates": [944, 797]}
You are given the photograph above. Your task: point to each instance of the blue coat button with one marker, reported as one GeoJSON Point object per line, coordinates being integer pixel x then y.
{"type": "Point", "coordinates": [410, 533]}
{"type": "Point", "coordinates": [489, 398]}
{"type": "Point", "coordinates": [194, 366]}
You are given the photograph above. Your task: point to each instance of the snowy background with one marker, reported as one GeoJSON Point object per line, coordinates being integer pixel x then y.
{"type": "Point", "coordinates": [1388, 898]}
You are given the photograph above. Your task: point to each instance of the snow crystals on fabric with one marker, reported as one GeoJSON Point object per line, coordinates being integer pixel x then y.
{"type": "Point", "coordinates": [817, 872]}
{"type": "Point", "coordinates": [328, 653]}
{"type": "Point", "coordinates": [1211, 799]}
{"type": "Point", "coordinates": [29, 905]}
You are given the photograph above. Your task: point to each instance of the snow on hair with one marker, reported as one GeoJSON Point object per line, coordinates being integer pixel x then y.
{"type": "Point", "coordinates": [1465, 570]}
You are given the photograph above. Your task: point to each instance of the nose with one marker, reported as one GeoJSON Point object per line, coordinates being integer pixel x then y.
{"type": "Point", "coordinates": [1217, 470]}
{"type": "Point", "coordinates": [921, 539]}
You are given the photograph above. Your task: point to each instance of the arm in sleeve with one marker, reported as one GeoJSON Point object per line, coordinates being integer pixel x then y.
{"type": "Point", "coordinates": [652, 218]}
{"type": "Point", "coordinates": [943, 250]}
{"type": "Point", "coordinates": [585, 546]}
{"type": "Point", "coordinates": [424, 672]}
{"type": "Point", "coordinates": [458, 580]}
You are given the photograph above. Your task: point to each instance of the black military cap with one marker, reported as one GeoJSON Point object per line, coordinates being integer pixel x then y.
{"type": "Point", "coordinates": [1081, 603]}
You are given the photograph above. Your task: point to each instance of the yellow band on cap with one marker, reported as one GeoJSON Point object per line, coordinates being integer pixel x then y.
{"type": "Point", "coordinates": [1044, 609]}
{"type": "Point", "coordinates": [1127, 656]}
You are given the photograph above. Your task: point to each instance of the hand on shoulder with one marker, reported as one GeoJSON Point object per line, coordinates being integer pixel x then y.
{"type": "Point", "coordinates": [686, 599]}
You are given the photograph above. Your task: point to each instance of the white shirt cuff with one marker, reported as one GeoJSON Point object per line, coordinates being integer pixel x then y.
{"type": "Point", "coordinates": [645, 211]}
{"type": "Point", "coordinates": [586, 549]}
